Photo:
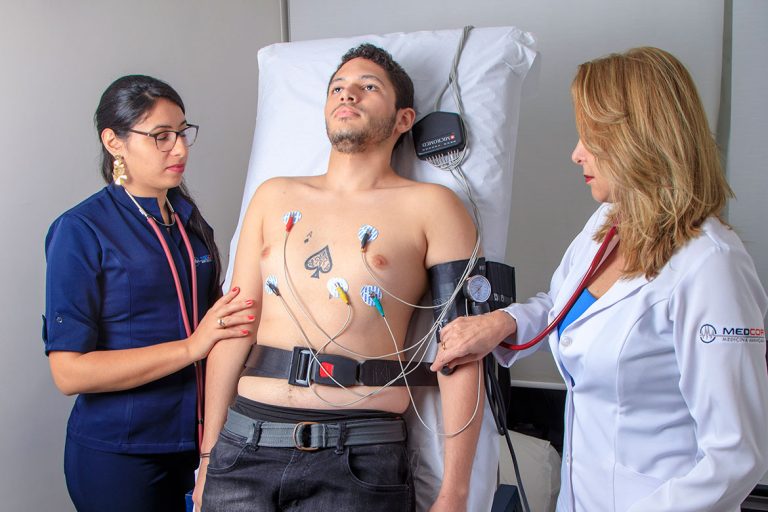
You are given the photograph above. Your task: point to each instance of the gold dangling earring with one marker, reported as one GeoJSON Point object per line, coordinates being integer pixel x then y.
{"type": "Point", "coordinates": [118, 170]}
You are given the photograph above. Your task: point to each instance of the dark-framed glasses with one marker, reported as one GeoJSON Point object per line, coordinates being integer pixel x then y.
{"type": "Point", "coordinates": [166, 139]}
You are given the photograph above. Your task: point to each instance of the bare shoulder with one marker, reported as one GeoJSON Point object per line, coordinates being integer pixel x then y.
{"type": "Point", "coordinates": [431, 196]}
{"type": "Point", "coordinates": [439, 203]}
{"type": "Point", "coordinates": [281, 185]}
{"type": "Point", "coordinates": [275, 190]}
{"type": "Point", "coordinates": [439, 192]}
{"type": "Point", "coordinates": [447, 224]}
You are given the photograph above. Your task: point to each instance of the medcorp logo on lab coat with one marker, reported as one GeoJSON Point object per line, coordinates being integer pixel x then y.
{"type": "Point", "coordinates": [709, 333]}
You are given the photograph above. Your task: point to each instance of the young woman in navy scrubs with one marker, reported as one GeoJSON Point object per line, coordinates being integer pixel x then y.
{"type": "Point", "coordinates": [114, 329]}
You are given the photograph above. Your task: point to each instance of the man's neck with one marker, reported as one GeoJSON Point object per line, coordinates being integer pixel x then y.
{"type": "Point", "coordinates": [359, 171]}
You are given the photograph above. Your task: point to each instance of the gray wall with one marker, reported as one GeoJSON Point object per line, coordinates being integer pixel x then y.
{"type": "Point", "coordinates": [56, 60]}
{"type": "Point", "coordinates": [748, 134]}
{"type": "Point", "coordinates": [549, 200]}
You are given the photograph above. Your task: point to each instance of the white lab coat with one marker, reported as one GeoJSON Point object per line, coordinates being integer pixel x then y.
{"type": "Point", "coordinates": [667, 400]}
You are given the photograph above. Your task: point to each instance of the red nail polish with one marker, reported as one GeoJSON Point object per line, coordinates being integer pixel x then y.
{"type": "Point", "coordinates": [236, 289]}
{"type": "Point", "coordinates": [251, 317]}
{"type": "Point", "coordinates": [245, 332]}
{"type": "Point", "coordinates": [249, 302]}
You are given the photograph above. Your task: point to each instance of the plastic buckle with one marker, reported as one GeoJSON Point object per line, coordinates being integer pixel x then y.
{"type": "Point", "coordinates": [301, 367]}
{"type": "Point", "coordinates": [335, 370]}
{"type": "Point", "coordinates": [299, 440]}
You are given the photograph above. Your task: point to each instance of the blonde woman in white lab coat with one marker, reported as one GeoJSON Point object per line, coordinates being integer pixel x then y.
{"type": "Point", "coordinates": [664, 354]}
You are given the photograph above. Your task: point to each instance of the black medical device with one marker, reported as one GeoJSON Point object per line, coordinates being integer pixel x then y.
{"type": "Point", "coordinates": [489, 286]}
{"type": "Point", "coordinates": [477, 289]}
{"type": "Point", "coordinates": [437, 134]}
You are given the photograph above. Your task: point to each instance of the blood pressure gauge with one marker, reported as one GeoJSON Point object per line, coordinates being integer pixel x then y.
{"type": "Point", "coordinates": [477, 289]}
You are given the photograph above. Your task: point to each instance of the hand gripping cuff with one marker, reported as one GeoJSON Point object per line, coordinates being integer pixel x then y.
{"type": "Point", "coordinates": [445, 278]}
{"type": "Point", "coordinates": [443, 281]}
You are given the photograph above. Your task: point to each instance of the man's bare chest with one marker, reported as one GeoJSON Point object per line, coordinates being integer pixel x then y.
{"type": "Point", "coordinates": [314, 244]}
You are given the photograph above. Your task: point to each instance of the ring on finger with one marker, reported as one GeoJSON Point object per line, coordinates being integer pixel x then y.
{"type": "Point", "coordinates": [221, 322]}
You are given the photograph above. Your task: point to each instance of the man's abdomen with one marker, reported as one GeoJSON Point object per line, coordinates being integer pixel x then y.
{"type": "Point", "coordinates": [280, 392]}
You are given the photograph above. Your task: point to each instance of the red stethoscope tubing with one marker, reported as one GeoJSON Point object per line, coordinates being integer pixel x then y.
{"type": "Point", "coordinates": [591, 271]}
{"type": "Point", "coordinates": [183, 306]}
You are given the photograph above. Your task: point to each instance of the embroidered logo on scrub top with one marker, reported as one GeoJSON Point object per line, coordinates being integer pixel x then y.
{"type": "Point", "coordinates": [708, 333]}
{"type": "Point", "coordinates": [199, 260]}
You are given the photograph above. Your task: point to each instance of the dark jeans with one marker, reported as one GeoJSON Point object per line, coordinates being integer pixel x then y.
{"type": "Point", "coordinates": [118, 482]}
{"type": "Point", "coordinates": [243, 477]}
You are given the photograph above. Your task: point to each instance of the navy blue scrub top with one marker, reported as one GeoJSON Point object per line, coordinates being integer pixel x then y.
{"type": "Point", "coordinates": [109, 287]}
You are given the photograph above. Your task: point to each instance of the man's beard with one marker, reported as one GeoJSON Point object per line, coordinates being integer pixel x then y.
{"type": "Point", "coordinates": [356, 140]}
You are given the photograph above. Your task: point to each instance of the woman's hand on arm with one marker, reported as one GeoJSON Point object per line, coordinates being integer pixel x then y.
{"type": "Point", "coordinates": [116, 370]}
{"type": "Point", "coordinates": [236, 317]}
{"type": "Point", "coordinates": [470, 338]}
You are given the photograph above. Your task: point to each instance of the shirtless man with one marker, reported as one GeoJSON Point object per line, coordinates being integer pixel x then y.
{"type": "Point", "coordinates": [292, 256]}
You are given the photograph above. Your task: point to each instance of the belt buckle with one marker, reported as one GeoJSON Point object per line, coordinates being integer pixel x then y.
{"type": "Point", "coordinates": [334, 370]}
{"type": "Point", "coordinates": [301, 367]}
{"type": "Point", "coordinates": [297, 436]}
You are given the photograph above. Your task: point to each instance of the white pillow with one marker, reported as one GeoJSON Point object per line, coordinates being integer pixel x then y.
{"type": "Point", "coordinates": [290, 140]}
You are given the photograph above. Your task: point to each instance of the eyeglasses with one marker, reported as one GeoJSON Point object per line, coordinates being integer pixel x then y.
{"type": "Point", "coordinates": [166, 140]}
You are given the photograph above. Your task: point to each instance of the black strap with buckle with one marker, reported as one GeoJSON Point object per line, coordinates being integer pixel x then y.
{"type": "Point", "coordinates": [309, 436]}
{"type": "Point", "coordinates": [301, 366]}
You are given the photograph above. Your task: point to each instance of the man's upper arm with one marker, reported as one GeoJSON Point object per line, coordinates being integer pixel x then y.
{"type": "Point", "coordinates": [247, 269]}
{"type": "Point", "coordinates": [450, 231]}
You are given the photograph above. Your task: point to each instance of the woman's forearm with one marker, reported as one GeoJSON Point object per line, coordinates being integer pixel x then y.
{"type": "Point", "coordinates": [116, 370]}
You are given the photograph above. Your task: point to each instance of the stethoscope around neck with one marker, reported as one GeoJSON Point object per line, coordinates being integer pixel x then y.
{"type": "Point", "coordinates": [602, 252]}
{"type": "Point", "coordinates": [189, 328]}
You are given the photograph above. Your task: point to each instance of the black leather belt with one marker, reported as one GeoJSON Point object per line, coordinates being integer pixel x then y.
{"type": "Point", "coordinates": [302, 366]}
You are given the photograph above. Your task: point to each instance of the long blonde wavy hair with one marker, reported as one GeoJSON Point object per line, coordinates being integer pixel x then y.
{"type": "Point", "coordinates": [640, 116]}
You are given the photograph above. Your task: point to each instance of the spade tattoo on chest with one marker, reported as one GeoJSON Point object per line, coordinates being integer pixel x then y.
{"type": "Point", "coordinates": [319, 262]}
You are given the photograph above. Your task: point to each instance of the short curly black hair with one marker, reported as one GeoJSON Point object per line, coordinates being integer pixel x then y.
{"type": "Point", "coordinates": [395, 73]}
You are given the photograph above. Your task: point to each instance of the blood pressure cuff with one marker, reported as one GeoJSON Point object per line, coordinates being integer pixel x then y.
{"type": "Point", "coordinates": [444, 278]}
{"type": "Point", "coordinates": [443, 281]}
{"type": "Point", "coordinates": [502, 278]}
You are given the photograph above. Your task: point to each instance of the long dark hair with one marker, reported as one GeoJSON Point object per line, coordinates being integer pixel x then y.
{"type": "Point", "coordinates": [122, 106]}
